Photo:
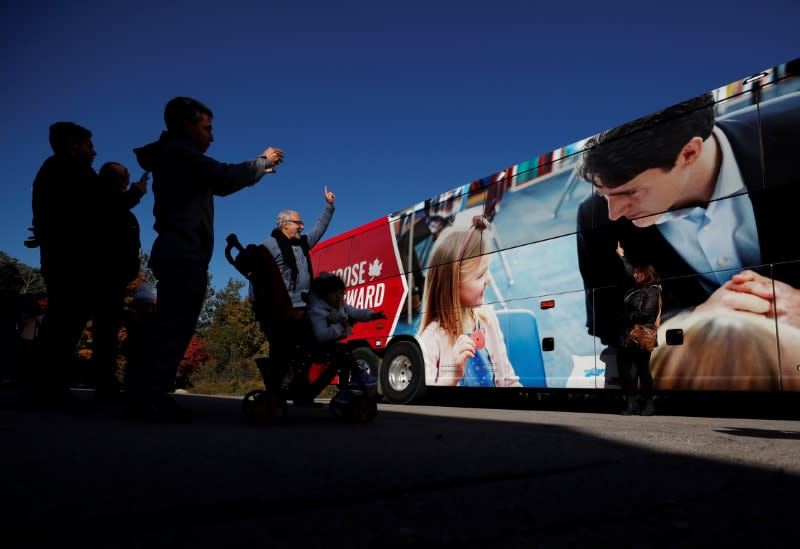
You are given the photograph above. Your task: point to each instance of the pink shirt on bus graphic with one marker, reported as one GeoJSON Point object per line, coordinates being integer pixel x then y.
{"type": "Point", "coordinates": [440, 360]}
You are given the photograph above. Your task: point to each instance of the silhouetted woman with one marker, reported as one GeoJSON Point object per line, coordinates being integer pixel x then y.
{"type": "Point", "coordinates": [642, 306]}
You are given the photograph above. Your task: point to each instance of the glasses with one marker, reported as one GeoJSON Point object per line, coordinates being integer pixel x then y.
{"type": "Point", "coordinates": [295, 221]}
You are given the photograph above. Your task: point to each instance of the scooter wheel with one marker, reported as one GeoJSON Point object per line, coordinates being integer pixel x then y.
{"type": "Point", "coordinates": [363, 410]}
{"type": "Point", "coordinates": [264, 408]}
{"type": "Point", "coordinates": [338, 410]}
{"type": "Point", "coordinates": [249, 401]}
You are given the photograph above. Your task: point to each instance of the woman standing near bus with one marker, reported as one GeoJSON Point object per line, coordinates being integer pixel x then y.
{"type": "Point", "coordinates": [642, 306]}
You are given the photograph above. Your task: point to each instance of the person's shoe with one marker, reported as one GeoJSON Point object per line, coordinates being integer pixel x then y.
{"type": "Point", "coordinates": [649, 407]}
{"type": "Point", "coordinates": [343, 398]}
{"type": "Point", "coordinates": [362, 378]}
{"type": "Point", "coordinates": [632, 408]}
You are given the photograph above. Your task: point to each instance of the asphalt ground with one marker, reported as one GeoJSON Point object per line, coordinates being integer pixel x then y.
{"type": "Point", "coordinates": [560, 472]}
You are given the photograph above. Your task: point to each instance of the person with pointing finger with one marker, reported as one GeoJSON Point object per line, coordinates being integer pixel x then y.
{"type": "Point", "coordinates": [291, 248]}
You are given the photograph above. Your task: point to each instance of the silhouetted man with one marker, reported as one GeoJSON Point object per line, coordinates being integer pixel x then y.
{"type": "Point", "coordinates": [185, 182]}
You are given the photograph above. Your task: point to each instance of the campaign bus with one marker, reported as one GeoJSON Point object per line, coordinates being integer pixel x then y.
{"type": "Point", "coordinates": [516, 280]}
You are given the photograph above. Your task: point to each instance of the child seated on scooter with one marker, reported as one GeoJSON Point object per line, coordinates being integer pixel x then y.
{"type": "Point", "coordinates": [331, 320]}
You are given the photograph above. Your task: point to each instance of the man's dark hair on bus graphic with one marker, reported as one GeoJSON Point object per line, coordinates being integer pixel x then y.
{"type": "Point", "coordinates": [618, 155]}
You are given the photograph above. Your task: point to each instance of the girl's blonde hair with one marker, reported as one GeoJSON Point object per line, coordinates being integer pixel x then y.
{"type": "Point", "coordinates": [456, 254]}
{"type": "Point", "coordinates": [736, 351]}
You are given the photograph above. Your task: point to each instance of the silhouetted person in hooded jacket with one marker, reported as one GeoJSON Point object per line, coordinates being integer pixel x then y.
{"type": "Point", "coordinates": [185, 182]}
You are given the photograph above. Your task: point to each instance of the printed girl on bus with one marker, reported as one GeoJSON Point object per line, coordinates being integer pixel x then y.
{"type": "Point", "coordinates": [460, 337]}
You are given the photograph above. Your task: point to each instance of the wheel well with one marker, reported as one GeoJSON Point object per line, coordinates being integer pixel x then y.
{"type": "Point", "coordinates": [381, 351]}
{"type": "Point", "coordinates": [392, 342]}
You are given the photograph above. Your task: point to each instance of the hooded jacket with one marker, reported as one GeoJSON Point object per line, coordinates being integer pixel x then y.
{"type": "Point", "coordinates": [184, 184]}
{"type": "Point", "coordinates": [325, 321]}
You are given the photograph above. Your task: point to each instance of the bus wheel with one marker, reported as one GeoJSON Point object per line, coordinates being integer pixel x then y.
{"type": "Point", "coordinates": [402, 376]}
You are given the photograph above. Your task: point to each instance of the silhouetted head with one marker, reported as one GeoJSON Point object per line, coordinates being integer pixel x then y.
{"type": "Point", "coordinates": [327, 282]}
{"type": "Point", "coordinates": [329, 287]}
{"type": "Point", "coordinates": [190, 119]}
{"type": "Point", "coordinates": [115, 175]}
{"type": "Point", "coordinates": [70, 139]}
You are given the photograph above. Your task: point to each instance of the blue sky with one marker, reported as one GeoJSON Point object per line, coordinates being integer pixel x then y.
{"type": "Point", "coordinates": [386, 103]}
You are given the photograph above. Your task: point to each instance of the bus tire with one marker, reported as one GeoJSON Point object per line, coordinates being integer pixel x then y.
{"type": "Point", "coordinates": [402, 375]}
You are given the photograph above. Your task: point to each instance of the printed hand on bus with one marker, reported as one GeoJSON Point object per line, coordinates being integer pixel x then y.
{"type": "Point", "coordinates": [463, 350]}
{"type": "Point", "coordinates": [751, 292]}
{"type": "Point", "coordinates": [784, 300]}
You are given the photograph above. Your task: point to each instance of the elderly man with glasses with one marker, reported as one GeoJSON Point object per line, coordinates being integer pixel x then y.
{"type": "Point", "coordinates": [291, 248]}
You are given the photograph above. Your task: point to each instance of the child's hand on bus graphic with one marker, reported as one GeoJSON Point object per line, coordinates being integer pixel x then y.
{"type": "Point", "coordinates": [463, 350]}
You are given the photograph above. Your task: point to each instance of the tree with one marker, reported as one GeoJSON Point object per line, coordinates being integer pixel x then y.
{"type": "Point", "coordinates": [208, 310]}
{"type": "Point", "coordinates": [31, 280]}
{"type": "Point", "coordinates": [194, 357]}
{"type": "Point", "coordinates": [10, 276]}
{"type": "Point", "coordinates": [145, 274]}
{"type": "Point", "coordinates": [233, 334]}
{"type": "Point", "coordinates": [231, 337]}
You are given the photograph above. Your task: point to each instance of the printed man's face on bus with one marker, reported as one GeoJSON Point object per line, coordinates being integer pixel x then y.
{"type": "Point", "coordinates": [644, 198]}
{"type": "Point", "coordinates": [471, 292]}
